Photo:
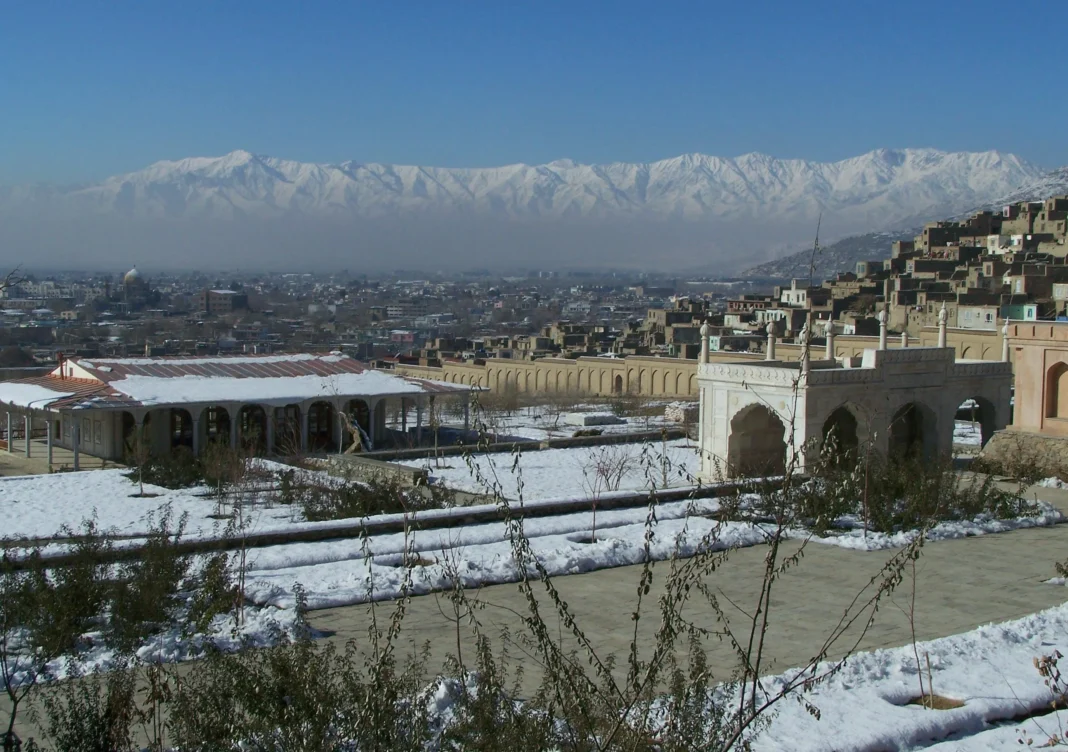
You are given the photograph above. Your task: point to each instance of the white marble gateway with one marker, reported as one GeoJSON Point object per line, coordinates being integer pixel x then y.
{"type": "Point", "coordinates": [760, 418]}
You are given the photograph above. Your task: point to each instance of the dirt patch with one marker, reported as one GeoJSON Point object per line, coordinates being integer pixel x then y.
{"type": "Point", "coordinates": [936, 702]}
{"type": "Point", "coordinates": [416, 561]}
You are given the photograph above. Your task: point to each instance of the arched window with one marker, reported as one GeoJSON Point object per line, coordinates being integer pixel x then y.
{"type": "Point", "coordinates": [1057, 391]}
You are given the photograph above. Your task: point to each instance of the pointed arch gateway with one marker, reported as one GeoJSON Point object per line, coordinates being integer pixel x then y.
{"type": "Point", "coordinates": [756, 445]}
{"type": "Point", "coordinates": [913, 432]}
{"type": "Point", "coordinates": [1057, 391]}
{"type": "Point", "coordinates": [840, 437]}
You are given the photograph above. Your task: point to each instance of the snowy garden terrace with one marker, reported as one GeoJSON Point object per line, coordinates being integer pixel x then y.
{"type": "Point", "coordinates": [284, 404]}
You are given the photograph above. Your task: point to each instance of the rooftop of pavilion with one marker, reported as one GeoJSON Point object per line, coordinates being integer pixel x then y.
{"type": "Point", "coordinates": [175, 381]}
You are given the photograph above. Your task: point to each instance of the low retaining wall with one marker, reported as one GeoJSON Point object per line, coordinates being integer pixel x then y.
{"type": "Point", "coordinates": [527, 445]}
{"type": "Point", "coordinates": [434, 519]}
{"type": "Point", "coordinates": [362, 467]}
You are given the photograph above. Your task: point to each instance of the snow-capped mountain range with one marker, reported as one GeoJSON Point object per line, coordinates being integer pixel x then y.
{"type": "Point", "coordinates": [881, 189]}
{"type": "Point", "coordinates": [1052, 183]}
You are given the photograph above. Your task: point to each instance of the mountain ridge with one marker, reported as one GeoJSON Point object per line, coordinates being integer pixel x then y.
{"type": "Point", "coordinates": [902, 182]}
{"type": "Point", "coordinates": [691, 211]}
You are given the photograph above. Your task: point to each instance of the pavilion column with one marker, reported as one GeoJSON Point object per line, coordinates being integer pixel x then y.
{"type": "Point", "coordinates": [467, 412]}
{"type": "Point", "coordinates": [769, 353]}
{"type": "Point", "coordinates": [418, 422]}
{"type": "Point", "coordinates": [372, 408]}
{"type": "Point", "coordinates": [235, 412]}
{"type": "Point", "coordinates": [27, 424]}
{"type": "Point", "coordinates": [48, 441]}
{"type": "Point", "coordinates": [829, 331]}
{"type": "Point", "coordinates": [76, 440]}
{"type": "Point", "coordinates": [904, 339]}
{"type": "Point", "coordinates": [882, 329]}
{"type": "Point", "coordinates": [195, 415]}
{"type": "Point", "coordinates": [340, 427]}
{"type": "Point", "coordinates": [304, 426]}
{"type": "Point", "coordinates": [10, 449]}
{"type": "Point", "coordinates": [269, 412]}
{"type": "Point", "coordinates": [404, 416]}
{"type": "Point", "coordinates": [1005, 343]}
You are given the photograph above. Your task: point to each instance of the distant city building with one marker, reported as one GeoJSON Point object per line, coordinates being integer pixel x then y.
{"type": "Point", "coordinates": [222, 302]}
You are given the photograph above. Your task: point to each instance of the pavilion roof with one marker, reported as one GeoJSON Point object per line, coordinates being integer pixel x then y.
{"type": "Point", "coordinates": [173, 381]}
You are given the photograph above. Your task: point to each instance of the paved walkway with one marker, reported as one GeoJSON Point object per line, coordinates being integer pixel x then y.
{"type": "Point", "coordinates": [960, 585]}
{"type": "Point", "coordinates": [16, 462]}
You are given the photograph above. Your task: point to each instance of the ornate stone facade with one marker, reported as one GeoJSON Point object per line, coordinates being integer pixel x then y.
{"type": "Point", "coordinates": [756, 418]}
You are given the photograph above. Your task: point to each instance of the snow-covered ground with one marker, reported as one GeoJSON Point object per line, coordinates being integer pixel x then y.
{"type": "Point", "coordinates": [568, 473]}
{"type": "Point", "coordinates": [967, 433]}
{"type": "Point", "coordinates": [258, 627]}
{"type": "Point", "coordinates": [341, 572]}
{"type": "Point", "coordinates": [539, 422]}
{"type": "Point", "coordinates": [990, 670]}
{"type": "Point", "coordinates": [37, 506]}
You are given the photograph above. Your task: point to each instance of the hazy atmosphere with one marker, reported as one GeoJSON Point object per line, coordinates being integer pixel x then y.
{"type": "Point", "coordinates": [376, 136]}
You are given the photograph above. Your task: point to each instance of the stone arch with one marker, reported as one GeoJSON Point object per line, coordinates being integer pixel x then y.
{"type": "Point", "coordinates": [974, 410]}
{"type": "Point", "coordinates": [678, 383]}
{"type": "Point", "coordinates": [287, 429]}
{"type": "Point", "coordinates": [556, 386]}
{"type": "Point", "coordinates": [1057, 391]}
{"type": "Point", "coordinates": [653, 378]}
{"type": "Point", "coordinates": [840, 437]}
{"type": "Point", "coordinates": [570, 382]}
{"type": "Point", "coordinates": [913, 432]}
{"type": "Point", "coordinates": [322, 427]}
{"type": "Point", "coordinates": [643, 381]}
{"type": "Point", "coordinates": [130, 438]}
{"type": "Point", "coordinates": [252, 428]}
{"type": "Point", "coordinates": [617, 384]}
{"type": "Point", "coordinates": [965, 352]}
{"type": "Point", "coordinates": [986, 353]}
{"type": "Point", "coordinates": [693, 384]}
{"type": "Point", "coordinates": [756, 445]}
{"type": "Point", "coordinates": [359, 413]}
{"type": "Point", "coordinates": [181, 428]}
{"type": "Point", "coordinates": [217, 421]}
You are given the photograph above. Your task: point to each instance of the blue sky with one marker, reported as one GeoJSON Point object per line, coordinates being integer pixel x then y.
{"type": "Point", "coordinates": [92, 89]}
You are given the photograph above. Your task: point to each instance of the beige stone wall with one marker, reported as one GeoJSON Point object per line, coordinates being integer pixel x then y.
{"type": "Point", "coordinates": [663, 377]}
{"type": "Point", "coordinates": [1041, 356]}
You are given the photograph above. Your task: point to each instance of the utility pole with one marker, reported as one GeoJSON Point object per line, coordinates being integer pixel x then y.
{"type": "Point", "coordinates": [815, 250]}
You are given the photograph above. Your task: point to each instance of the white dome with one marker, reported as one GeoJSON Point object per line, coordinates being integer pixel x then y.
{"type": "Point", "coordinates": [132, 277]}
